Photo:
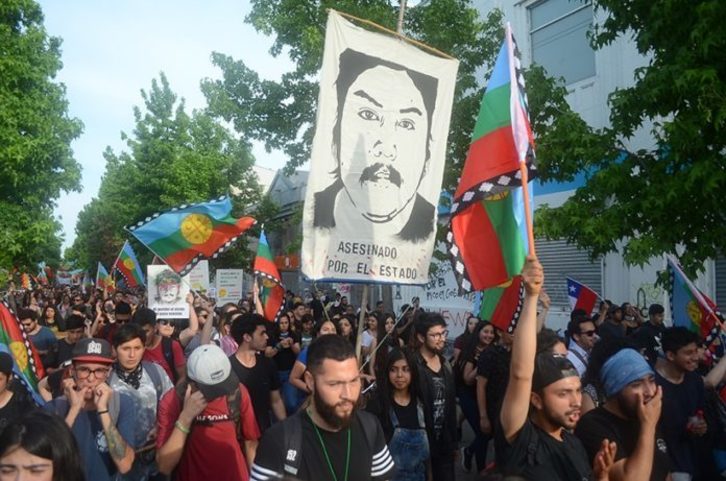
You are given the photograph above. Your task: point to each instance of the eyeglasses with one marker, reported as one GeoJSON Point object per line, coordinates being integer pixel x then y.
{"type": "Point", "coordinates": [85, 372]}
{"type": "Point", "coordinates": [166, 322]}
{"type": "Point", "coordinates": [588, 333]}
{"type": "Point", "coordinates": [439, 335]}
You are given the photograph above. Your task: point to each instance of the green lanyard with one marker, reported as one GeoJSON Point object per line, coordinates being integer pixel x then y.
{"type": "Point", "coordinates": [327, 457]}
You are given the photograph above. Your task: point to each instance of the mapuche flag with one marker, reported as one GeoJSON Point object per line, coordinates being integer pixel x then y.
{"type": "Point", "coordinates": [186, 234]}
{"type": "Point", "coordinates": [502, 305]}
{"type": "Point", "coordinates": [487, 238]}
{"type": "Point", "coordinates": [13, 340]}
{"type": "Point", "coordinates": [272, 292]}
{"type": "Point", "coordinates": [103, 280]}
{"type": "Point", "coordinates": [129, 267]}
{"type": "Point", "coordinates": [690, 307]}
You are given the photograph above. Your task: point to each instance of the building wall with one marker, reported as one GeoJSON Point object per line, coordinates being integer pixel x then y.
{"type": "Point", "coordinates": [615, 67]}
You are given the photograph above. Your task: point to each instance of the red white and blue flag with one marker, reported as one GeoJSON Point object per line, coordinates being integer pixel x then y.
{"type": "Point", "coordinates": [581, 296]}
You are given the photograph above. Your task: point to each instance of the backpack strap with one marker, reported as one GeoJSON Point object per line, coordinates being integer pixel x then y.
{"type": "Point", "coordinates": [370, 427]}
{"type": "Point", "coordinates": [292, 430]}
{"type": "Point", "coordinates": [167, 349]}
{"type": "Point", "coordinates": [233, 402]}
{"type": "Point", "coordinates": [155, 373]}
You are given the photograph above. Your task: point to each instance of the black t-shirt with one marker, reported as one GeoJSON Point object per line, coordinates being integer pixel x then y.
{"type": "Point", "coordinates": [17, 406]}
{"type": "Point", "coordinates": [680, 401]}
{"type": "Point", "coordinates": [407, 415]}
{"type": "Point", "coordinates": [493, 365]}
{"type": "Point", "coordinates": [259, 381]}
{"type": "Point", "coordinates": [366, 462]}
{"type": "Point", "coordinates": [600, 424]}
{"type": "Point", "coordinates": [285, 357]}
{"type": "Point", "coordinates": [536, 455]}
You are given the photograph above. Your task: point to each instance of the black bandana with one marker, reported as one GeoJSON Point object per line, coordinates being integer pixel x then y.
{"type": "Point", "coordinates": [132, 378]}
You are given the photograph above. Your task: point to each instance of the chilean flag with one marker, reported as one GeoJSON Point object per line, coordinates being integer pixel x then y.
{"type": "Point", "coordinates": [581, 296]}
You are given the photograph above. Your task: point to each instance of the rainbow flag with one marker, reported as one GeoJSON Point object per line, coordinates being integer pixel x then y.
{"type": "Point", "coordinates": [25, 281]}
{"type": "Point", "coordinates": [690, 308]}
{"type": "Point", "coordinates": [502, 305]}
{"type": "Point", "coordinates": [487, 237]}
{"type": "Point", "coordinates": [103, 280]}
{"type": "Point", "coordinates": [184, 235]}
{"type": "Point", "coordinates": [129, 267]}
{"type": "Point", "coordinates": [272, 292]}
{"type": "Point", "coordinates": [13, 340]}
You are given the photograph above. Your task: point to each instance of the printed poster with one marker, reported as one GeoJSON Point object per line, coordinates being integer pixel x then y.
{"type": "Point", "coordinates": [377, 158]}
{"type": "Point", "coordinates": [229, 285]}
{"type": "Point", "coordinates": [199, 277]}
{"type": "Point", "coordinates": [167, 292]}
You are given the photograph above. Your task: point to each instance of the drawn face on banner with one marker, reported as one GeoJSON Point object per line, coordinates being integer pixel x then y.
{"type": "Point", "coordinates": [382, 133]}
{"type": "Point", "coordinates": [383, 150]}
{"type": "Point", "coordinates": [168, 287]}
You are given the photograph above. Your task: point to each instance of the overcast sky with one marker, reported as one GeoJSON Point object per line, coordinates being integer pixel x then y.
{"type": "Point", "coordinates": [112, 50]}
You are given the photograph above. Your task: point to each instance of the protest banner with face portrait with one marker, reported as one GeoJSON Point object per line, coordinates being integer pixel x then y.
{"type": "Point", "coordinates": [377, 158]}
{"type": "Point", "coordinates": [167, 292]}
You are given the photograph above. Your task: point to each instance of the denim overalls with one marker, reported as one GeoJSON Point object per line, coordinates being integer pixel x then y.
{"type": "Point", "coordinates": [409, 448]}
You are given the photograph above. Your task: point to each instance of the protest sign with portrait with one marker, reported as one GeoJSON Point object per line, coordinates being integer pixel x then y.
{"type": "Point", "coordinates": [167, 292]}
{"type": "Point", "coordinates": [377, 158]}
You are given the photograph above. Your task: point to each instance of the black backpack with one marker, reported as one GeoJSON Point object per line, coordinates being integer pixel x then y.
{"type": "Point", "coordinates": [292, 430]}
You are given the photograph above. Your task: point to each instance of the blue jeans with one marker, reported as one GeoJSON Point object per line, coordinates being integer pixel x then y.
{"type": "Point", "coordinates": [478, 447]}
{"type": "Point", "coordinates": [410, 451]}
{"type": "Point", "coordinates": [288, 392]}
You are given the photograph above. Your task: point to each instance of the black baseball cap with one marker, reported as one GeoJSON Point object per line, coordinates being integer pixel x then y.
{"type": "Point", "coordinates": [92, 350]}
{"type": "Point", "coordinates": [549, 368]}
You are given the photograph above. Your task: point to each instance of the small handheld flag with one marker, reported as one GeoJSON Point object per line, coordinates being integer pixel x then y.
{"type": "Point", "coordinates": [188, 233]}
{"type": "Point", "coordinates": [691, 308]}
{"type": "Point", "coordinates": [490, 228]}
{"type": "Point", "coordinates": [272, 292]}
{"type": "Point", "coordinates": [581, 296]}
{"type": "Point", "coordinates": [103, 280]}
{"type": "Point", "coordinates": [129, 267]}
{"type": "Point", "coordinates": [13, 340]}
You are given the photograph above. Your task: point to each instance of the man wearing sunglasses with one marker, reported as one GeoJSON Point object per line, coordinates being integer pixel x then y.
{"type": "Point", "coordinates": [102, 420]}
{"type": "Point", "coordinates": [582, 334]}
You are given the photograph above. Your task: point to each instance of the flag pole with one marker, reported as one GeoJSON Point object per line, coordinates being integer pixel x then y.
{"type": "Point", "coordinates": [527, 208]}
{"type": "Point", "coordinates": [361, 318]}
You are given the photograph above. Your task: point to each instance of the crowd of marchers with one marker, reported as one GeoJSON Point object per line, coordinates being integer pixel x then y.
{"type": "Point", "coordinates": [226, 394]}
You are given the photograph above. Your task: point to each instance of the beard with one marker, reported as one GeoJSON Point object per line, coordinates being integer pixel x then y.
{"type": "Point", "coordinates": [627, 407]}
{"type": "Point", "coordinates": [327, 412]}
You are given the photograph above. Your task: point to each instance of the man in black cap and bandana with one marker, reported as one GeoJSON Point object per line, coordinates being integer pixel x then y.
{"type": "Point", "coordinates": [540, 445]}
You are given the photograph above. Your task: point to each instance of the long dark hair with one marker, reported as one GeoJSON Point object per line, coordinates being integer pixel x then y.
{"type": "Point", "coordinates": [385, 390]}
{"type": "Point", "coordinates": [383, 342]}
{"type": "Point", "coordinates": [45, 435]}
{"type": "Point", "coordinates": [472, 343]}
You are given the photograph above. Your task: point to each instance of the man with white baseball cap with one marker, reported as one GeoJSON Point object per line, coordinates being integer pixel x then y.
{"type": "Point", "coordinates": [204, 424]}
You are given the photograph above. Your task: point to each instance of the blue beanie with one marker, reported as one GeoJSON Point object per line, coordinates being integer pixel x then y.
{"type": "Point", "coordinates": [621, 369]}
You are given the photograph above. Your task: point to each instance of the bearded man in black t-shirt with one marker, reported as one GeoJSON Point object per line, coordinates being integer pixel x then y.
{"type": "Point", "coordinates": [540, 445]}
{"type": "Point", "coordinates": [332, 440]}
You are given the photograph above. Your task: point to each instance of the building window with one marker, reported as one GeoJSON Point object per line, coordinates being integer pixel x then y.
{"type": "Point", "coordinates": [559, 38]}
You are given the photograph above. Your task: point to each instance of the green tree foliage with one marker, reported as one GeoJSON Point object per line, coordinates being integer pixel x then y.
{"type": "Point", "coordinates": [282, 114]}
{"type": "Point", "coordinates": [36, 161]}
{"type": "Point", "coordinates": [172, 158]}
{"type": "Point", "coordinates": [666, 198]}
